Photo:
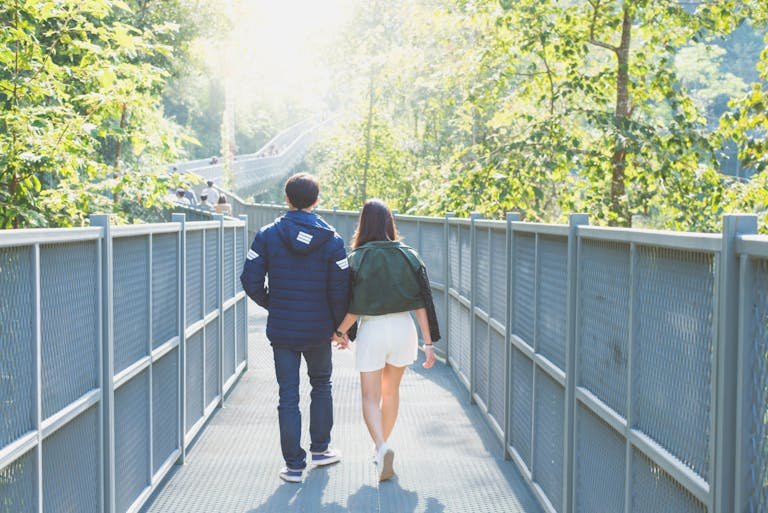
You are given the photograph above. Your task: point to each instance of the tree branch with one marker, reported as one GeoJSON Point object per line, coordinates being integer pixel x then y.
{"type": "Point", "coordinates": [595, 4]}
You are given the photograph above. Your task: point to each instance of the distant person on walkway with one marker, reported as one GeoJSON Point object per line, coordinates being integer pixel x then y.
{"type": "Point", "coordinates": [211, 192]}
{"type": "Point", "coordinates": [389, 280]}
{"type": "Point", "coordinates": [306, 264]}
{"type": "Point", "coordinates": [204, 202]}
{"type": "Point", "coordinates": [181, 197]}
{"type": "Point", "coordinates": [190, 195]}
{"type": "Point", "coordinates": [222, 207]}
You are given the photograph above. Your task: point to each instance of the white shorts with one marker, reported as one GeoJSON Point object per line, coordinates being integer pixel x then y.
{"type": "Point", "coordinates": [383, 339]}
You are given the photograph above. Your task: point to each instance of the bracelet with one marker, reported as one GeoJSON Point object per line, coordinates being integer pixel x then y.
{"type": "Point", "coordinates": [428, 345]}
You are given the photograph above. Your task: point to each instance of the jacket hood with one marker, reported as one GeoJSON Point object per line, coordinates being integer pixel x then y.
{"type": "Point", "coordinates": [303, 232]}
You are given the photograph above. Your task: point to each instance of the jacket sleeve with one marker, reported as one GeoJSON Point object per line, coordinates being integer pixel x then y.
{"type": "Point", "coordinates": [352, 332]}
{"type": "Point", "coordinates": [338, 281]}
{"type": "Point", "coordinates": [255, 270]}
{"type": "Point", "coordinates": [429, 304]}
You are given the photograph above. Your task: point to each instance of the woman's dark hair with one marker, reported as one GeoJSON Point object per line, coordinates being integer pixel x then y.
{"type": "Point", "coordinates": [376, 223]}
{"type": "Point", "coordinates": [222, 199]}
{"type": "Point", "coordinates": [302, 190]}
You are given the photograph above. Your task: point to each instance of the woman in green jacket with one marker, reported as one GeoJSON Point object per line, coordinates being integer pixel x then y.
{"type": "Point", "coordinates": [388, 280]}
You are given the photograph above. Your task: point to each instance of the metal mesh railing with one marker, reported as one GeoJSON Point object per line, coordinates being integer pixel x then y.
{"type": "Point", "coordinates": [598, 356]}
{"type": "Point", "coordinates": [757, 317]}
{"type": "Point", "coordinates": [752, 445]}
{"type": "Point", "coordinates": [95, 369]}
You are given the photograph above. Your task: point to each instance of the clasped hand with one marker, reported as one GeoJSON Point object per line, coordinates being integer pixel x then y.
{"type": "Point", "coordinates": [340, 342]}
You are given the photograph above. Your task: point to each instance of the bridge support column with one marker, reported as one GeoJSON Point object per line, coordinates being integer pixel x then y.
{"type": "Point", "coordinates": [107, 420]}
{"type": "Point", "coordinates": [723, 463]}
{"type": "Point", "coordinates": [220, 299]}
{"type": "Point", "coordinates": [511, 218]}
{"type": "Point", "coordinates": [473, 217]}
{"type": "Point", "coordinates": [247, 242]}
{"type": "Point", "coordinates": [572, 291]}
{"type": "Point", "coordinates": [447, 283]}
{"type": "Point", "coordinates": [182, 320]}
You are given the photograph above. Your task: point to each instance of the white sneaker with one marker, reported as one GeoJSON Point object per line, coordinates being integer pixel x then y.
{"type": "Point", "coordinates": [290, 475]}
{"type": "Point", "coordinates": [385, 458]}
{"type": "Point", "coordinates": [328, 457]}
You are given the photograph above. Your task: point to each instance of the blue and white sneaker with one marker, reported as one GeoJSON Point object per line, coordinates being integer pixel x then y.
{"type": "Point", "coordinates": [291, 476]}
{"type": "Point", "coordinates": [327, 457]}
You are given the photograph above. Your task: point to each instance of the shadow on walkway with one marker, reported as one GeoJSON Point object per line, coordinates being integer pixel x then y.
{"type": "Point", "coordinates": [447, 458]}
{"type": "Point", "coordinates": [308, 497]}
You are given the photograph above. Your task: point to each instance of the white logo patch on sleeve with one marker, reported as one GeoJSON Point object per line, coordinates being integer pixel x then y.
{"type": "Point", "coordinates": [304, 237]}
{"type": "Point", "coordinates": [252, 254]}
{"type": "Point", "coordinates": [343, 263]}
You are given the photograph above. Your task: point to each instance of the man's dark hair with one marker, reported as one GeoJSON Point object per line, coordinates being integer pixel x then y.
{"type": "Point", "coordinates": [302, 190]}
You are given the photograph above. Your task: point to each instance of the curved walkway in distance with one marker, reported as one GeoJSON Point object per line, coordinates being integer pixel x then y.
{"type": "Point", "coordinates": [447, 459]}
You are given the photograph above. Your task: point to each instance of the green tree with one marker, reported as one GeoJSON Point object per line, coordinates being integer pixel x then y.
{"type": "Point", "coordinates": [80, 117]}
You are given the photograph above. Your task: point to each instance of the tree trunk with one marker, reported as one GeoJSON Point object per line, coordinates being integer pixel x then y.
{"type": "Point", "coordinates": [619, 205]}
{"type": "Point", "coordinates": [364, 185]}
{"type": "Point", "coordinates": [13, 187]}
{"type": "Point", "coordinates": [119, 142]}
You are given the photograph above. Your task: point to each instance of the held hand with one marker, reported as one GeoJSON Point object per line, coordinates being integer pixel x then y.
{"type": "Point", "coordinates": [340, 342]}
{"type": "Point", "coordinates": [429, 352]}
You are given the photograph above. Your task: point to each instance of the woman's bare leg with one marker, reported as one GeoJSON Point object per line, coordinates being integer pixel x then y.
{"type": "Point", "coordinates": [390, 397]}
{"type": "Point", "coordinates": [370, 385]}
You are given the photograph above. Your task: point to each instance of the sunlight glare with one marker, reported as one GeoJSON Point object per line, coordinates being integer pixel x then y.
{"type": "Point", "coordinates": [274, 50]}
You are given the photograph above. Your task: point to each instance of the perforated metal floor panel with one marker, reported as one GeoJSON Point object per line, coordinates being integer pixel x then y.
{"type": "Point", "coordinates": [447, 459]}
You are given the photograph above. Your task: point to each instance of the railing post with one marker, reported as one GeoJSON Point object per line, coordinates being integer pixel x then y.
{"type": "Point", "coordinates": [511, 218]}
{"type": "Point", "coordinates": [150, 340]}
{"type": "Point", "coordinates": [38, 359]}
{"type": "Point", "coordinates": [108, 363]}
{"type": "Point", "coordinates": [745, 393]}
{"type": "Point", "coordinates": [726, 354]}
{"type": "Point", "coordinates": [447, 283]}
{"type": "Point", "coordinates": [473, 217]}
{"type": "Point", "coordinates": [220, 294]}
{"type": "Point", "coordinates": [182, 320]}
{"type": "Point", "coordinates": [574, 221]}
{"type": "Point", "coordinates": [244, 249]}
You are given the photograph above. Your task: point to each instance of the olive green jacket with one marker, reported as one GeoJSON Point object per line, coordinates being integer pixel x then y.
{"type": "Point", "coordinates": [388, 277]}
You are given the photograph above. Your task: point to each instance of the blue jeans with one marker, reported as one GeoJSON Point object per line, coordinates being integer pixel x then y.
{"type": "Point", "coordinates": [319, 367]}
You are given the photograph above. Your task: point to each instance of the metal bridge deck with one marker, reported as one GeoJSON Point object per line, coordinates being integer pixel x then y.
{"type": "Point", "coordinates": [447, 459]}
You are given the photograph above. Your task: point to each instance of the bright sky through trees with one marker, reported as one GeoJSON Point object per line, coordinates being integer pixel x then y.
{"type": "Point", "coordinates": [634, 111]}
{"type": "Point", "coordinates": [273, 52]}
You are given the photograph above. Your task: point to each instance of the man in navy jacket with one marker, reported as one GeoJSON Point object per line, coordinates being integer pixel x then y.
{"type": "Point", "coordinates": [305, 263]}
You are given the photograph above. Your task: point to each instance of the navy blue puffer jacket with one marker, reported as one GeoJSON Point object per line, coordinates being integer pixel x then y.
{"type": "Point", "coordinates": [305, 263]}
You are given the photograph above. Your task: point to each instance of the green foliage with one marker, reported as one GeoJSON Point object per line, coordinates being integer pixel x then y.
{"type": "Point", "coordinates": [388, 175]}
{"type": "Point", "coordinates": [546, 107]}
{"type": "Point", "coordinates": [80, 115]}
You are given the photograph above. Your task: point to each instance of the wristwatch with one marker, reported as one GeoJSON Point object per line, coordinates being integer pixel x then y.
{"type": "Point", "coordinates": [339, 333]}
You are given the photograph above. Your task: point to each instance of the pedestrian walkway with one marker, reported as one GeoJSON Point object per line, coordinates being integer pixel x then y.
{"type": "Point", "coordinates": [447, 458]}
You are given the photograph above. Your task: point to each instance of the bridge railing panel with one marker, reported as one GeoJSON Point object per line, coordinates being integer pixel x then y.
{"type": "Point", "coordinates": [752, 414]}
{"type": "Point", "coordinates": [601, 356]}
{"type": "Point", "coordinates": [645, 338]}
{"type": "Point", "coordinates": [95, 368]}
{"type": "Point", "coordinates": [50, 369]}
{"type": "Point", "coordinates": [146, 333]}
{"type": "Point", "coordinates": [536, 415]}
